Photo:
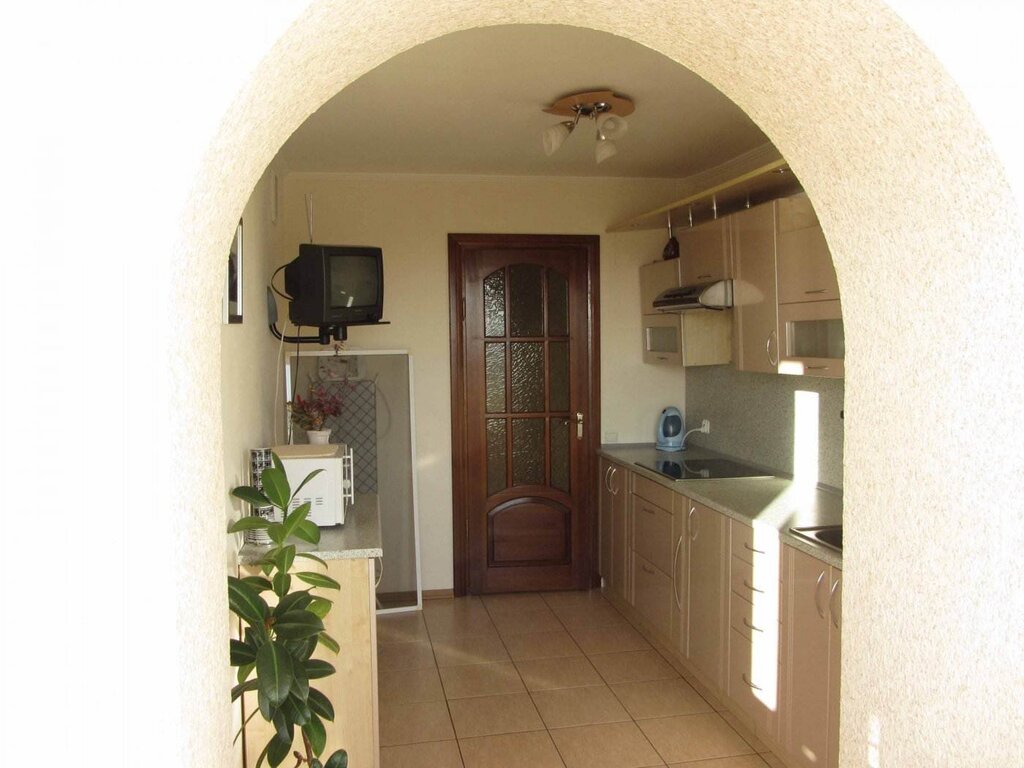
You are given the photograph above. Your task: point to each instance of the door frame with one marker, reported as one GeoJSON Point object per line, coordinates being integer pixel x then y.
{"type": "Point", "coordinates": [458, 246]}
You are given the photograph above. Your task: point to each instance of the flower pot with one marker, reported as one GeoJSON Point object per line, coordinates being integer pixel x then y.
{"type": "Point", "coordinates": [318, 436]}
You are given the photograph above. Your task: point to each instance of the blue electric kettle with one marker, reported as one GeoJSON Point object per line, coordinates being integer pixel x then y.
{"type": "Point", "coordinates": [671, 427]}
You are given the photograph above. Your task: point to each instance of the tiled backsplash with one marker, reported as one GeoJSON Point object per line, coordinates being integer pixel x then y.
{"type": "Point", "coordinates": [752, 417]}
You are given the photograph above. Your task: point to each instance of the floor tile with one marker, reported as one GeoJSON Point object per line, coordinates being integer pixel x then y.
{"type": "Point", "coordinates": [525, 621]}
{"type": "Point", "coordinates": [408, 686]}
{"type": "Point", "coordinates": [660, 698]}
{"type": "Point", "coordinates": [443, 624]}
{"type": "Point", "coordinates": [611, 745]}
{"type": "Point", "coordinates": [405, 656]}
{"type": "Point", "coordinates": [745, 733]}
{"type": "Point", "coordinates": [401, 628]}
{"type": "Point", "coordinates": [575, 598]}
{"type": "Point", "coordinates": [513, 601]}
{"type": "Point", "coordinates": [436, 754]}
{"type": "Point", "coordinates": [413, 723]}
{"type": "Point", "coordinates": [511, 750]}
{"type": "Point", "coordinates": [593, 616]}
{"type": "Point", "coordinates": [743, 761]}
{"type": "Point", "coordinates": [694, 737]}
{"type": "Point", "coordinates": [609, 640]}
{"type": "Point", "coordinates": [631, 666]}
{"type": "Point", "coordinates": [567, 707]}
{"type": "Point", "coordinates": [480, 680]}
{"type": "Point", "coordinates": [469, 649]}
{"type": "Point", "coordinates": [771, 760]}
{"type": "Point", "coordinates": [490, 715]}
{"type": "Point", "coordinates": [541, 645]}
{"type": "Point", "coordinates": [545, 674]}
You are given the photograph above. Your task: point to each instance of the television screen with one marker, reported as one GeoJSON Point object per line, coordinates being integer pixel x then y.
{"type": "Point", "coordinates": [353, 281]}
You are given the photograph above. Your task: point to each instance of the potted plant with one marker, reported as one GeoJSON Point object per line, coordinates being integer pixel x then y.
{"type": "Point", "coordinates": [311, 413]}
{"type": "Point", "coordinates": [274, 656]}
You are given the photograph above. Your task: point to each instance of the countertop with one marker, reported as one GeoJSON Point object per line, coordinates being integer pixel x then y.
{"type": "Point", "coordinates": [358, 538]}
{"type": "Point", "coordinates": [776, 502]}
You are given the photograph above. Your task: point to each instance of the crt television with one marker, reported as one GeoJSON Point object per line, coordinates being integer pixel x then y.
{"type": "Point", "coordinates": [335, 285]}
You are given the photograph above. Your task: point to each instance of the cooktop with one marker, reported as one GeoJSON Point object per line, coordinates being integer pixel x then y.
{"type": "Point", "coordinates": [700, 469]}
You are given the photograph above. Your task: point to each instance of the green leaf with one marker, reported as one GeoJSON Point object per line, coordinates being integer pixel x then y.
{"type": "Point", "coordinates": [274, 671]}
{"type": "Point", "coordinates": [320, 704]}
{"type": "Point", "coordinates": [293, 601]}
{"type": "Point", "coordinates": [308, 531]}
{"type": "Point", "coordinates": [328, 642]}
{"type": "Point", "coordinates": [300, 684]}
{"type": "Point", "coordinates": [267, 709]}
{"type": "Point", "coordinates": [301, 650]}
{"type": "Point", "coordinates": [319, 606]}
{"type": "Point", "coordinates": [245, 670]}
{"type": "Point", "coordinates": [296, 625]}
{"type": "Point", "coordinates": [297, 710]}
{"type": "Point", "coordinates": [246, 602]}
{"type": "Point", "coordinates": [266, 567]}
{"type": "Point", "coordinates": [318, 579]}
{"type": "Point", "coordinates": [248, 523]}
{"type": "Point", "coordinates": [276, 461]}
{"type": "Point", "coordinates": [258, 583]}
{"type": "Point", "coordinates": [282, 582]}
{"type": "Point", "coordinates": [283, 557]}
{"type": "Point", "coordinates": [248, 685]}
{"type": "Point", "coordinates": [316, 733]}
{"type": "Point", "coordinates": [277, 749]}
{"type": "Point", "coordinates": [338, 760]}
{"type": "Point", "coordinates": [242, 654]}
{"type": "Point", "coordinates": [275, 487]}
{"type": "Point", "coordinates": [255, 497]}
{"type": "Point", "coordinates": [284, 727]}
{"type": "Point", "coordinates": [317, 668]}
{"type": "Point", "coordinates": [310, 555]}
{"type": "Point", "coordinates": [315, 763]}
{"type": "Point", "coordinates": [294, 519]}
{"type": "Point", "coordinates": [276, 532]}
{"type": "Point", "coordinates": [309, 477]}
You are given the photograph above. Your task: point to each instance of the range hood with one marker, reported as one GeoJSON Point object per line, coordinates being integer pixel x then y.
{"type": "Point", "coordinates": [716, 295]}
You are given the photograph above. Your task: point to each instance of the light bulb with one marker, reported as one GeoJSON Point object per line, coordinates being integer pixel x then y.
{"type": "Point", "coordinates": [604, 149]}
{"type": "Point", "coordinates": [611, 126]}
{"type": "Point", "coordinates": [554, 135]}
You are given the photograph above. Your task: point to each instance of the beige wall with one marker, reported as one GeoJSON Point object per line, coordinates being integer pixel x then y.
{"type": "Point", "coordinates": [139, 135]}
{"type": "Point", "coordinates": [410, 218]}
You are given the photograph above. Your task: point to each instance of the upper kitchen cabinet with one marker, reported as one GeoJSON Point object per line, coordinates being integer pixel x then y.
{"type": "Point", "coordinates": [805, 265]}
{"type": "Point", "coordinates": [704, 252]}
{"type": "Point", "coordinates": [697, 337]}
{"type": "Point", "coordinates": [755, 292]}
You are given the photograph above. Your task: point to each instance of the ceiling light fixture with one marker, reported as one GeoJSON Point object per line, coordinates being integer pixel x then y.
{"type": "Point", "coordinates": [605, 108]}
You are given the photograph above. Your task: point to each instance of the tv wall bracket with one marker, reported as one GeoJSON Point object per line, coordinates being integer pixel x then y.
{"type": "Point", "coordinates": [325, 332]}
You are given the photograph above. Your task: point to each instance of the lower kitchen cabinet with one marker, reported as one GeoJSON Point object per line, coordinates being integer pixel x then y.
{"type": "Point", "coordinates": [614, 528]}
{"type": "Point", "coordinates": [653, 555]}
{"type": "Point", "coordinates": [809, 722]}
{"type": "Point", "coordinates": [707, 599]}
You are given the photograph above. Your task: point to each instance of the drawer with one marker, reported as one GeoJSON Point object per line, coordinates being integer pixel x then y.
{"type": "Point", "coordinates": [750, 582]}
{"type": "Point", "coordinates": [652, 595]}
{"type": "Point", "coordinates": [753, 677]}
{"type": "Point", "coordinates": [741, 618]}
{"type": "Point", "coordinates": [652, 534]}
{"type": "Point", "coordinates": [653, 492]}
{"type": "Point", "coordinates": [746, 545]}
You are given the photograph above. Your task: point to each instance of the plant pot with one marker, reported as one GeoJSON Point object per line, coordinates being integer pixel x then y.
{"type": "Point", "coordinates": [318, 436]}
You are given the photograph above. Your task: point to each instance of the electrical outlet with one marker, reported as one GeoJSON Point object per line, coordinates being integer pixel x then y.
{"type": "Point", "coordinates": [705, 426]}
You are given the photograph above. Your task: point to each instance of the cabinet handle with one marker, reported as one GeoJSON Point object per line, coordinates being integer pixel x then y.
{"type": "Point", "coordinates": [645, 569]}
{"type": "Point", "coordinates": [757, 551]}
{"type": "Point", "coordinates": [702, 277]}
{"type": "Point", "coordinates": [748, 625]}
{"type": "Point", "coordinates": [675, 578]}
{"type": "Point", "coordinates": [608, 478]}
{"type": "Point", "coordinates": [816, 367]}
{"type": "Point", "coordinates": [768, 348]}
{"type": "Point", "coordinates": [743, 676]}
{"type": "Point", "coordinates": [611, 477]}
{"type": "Point", "coordinates": [818, 290]}
{"type": "Point", "coordinates": [648, 510]}
{"type": "Point", "coordinates": [817, 594]}
{"type": "Point", "coordinates": [693, 530]}
{"type": "Point", "coordinates": [831, 604]}
{"type": "Point", "coordinates": [752, 588]}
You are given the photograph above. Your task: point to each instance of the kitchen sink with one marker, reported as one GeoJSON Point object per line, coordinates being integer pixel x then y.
{"type": "Point", "coordinates": [830, 536]}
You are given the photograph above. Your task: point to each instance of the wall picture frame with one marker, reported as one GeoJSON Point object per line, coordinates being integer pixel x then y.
{"type": "Point", "coordinates": [233, 287]}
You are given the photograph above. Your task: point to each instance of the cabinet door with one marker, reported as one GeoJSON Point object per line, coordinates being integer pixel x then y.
{"type": "Point", "coordinates": [835, 609]}
{"type": "Point", "coordinates": [703, 252]}
{"type": "Point", "coordinates": [806, 272]}
{"type": "Point", "coordinates": [680, 536]}
{"type": "Point", "coordinates": [655, 278]}
{"type": "Point", "coordinates": [754, 290]}
{"type": "Point", "coordinates": [707, 610]}
{"type": "Point", "coordinates": [620, 524]}
{"type": "Point", "coordinates": [606, 500]}
{"type": "Point", "coordinates": [805, 711]}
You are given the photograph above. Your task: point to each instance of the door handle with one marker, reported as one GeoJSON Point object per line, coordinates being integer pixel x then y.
{"type": "Point", "coordinates": [579, 425]}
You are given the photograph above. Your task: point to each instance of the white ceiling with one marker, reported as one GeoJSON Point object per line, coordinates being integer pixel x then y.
{"type": "Point", "coordinates": [470, 102]}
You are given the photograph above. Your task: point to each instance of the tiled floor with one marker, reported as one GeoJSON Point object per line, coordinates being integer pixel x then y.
{"type": "Point", "coordinates": [557, 680]}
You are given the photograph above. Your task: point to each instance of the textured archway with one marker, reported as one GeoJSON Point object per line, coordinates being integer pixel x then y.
{"type": "Point", "coordinates": [920, 219]}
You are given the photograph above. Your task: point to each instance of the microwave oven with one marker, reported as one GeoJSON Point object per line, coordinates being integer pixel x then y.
{"type": "Point", "coordinates": [331, 491]}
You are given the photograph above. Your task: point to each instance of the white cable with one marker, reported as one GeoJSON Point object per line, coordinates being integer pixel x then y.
{"type": "Point", "coordinates": [309, 215]}
{"type": "Point", "coordinates": [279, 374]}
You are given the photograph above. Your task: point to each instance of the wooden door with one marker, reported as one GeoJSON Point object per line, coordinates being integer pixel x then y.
{"type": "Point", "coordinates": [524, 375]}
{"type": "Point", "coordinates": [756, 334]}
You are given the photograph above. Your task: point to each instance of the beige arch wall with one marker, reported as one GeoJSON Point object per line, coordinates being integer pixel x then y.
{"type": "Point", "coordinates": [916, 210]}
